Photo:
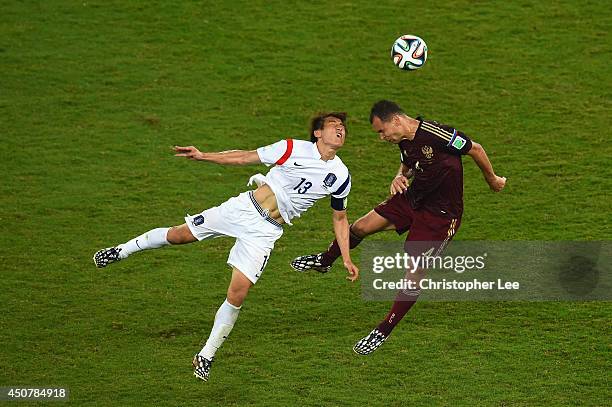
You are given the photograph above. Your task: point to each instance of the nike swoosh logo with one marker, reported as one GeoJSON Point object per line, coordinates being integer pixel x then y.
{"type": "Point", "coordinates": [297, 165]}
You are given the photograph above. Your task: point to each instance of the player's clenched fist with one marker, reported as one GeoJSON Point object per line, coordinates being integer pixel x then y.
{"type": "Point", "coordinates": [497, 183]}
{"type": "Point", "coordinates": [399, 184]}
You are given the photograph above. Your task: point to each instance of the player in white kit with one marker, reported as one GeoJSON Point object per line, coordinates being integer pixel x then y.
{"type": "Point", "coordinates": [303, 172]}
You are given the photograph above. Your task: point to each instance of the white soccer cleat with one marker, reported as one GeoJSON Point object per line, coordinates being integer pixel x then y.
{"type": "Point", "coordinates": [104, 257]}
{"type": "Point", "coordinates": [201, 367]}
{"type": "Point", "coordinates": [370, 343]}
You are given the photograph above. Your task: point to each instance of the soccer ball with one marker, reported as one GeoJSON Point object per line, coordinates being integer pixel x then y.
{"type": "Point", "coordinates": [409, 52]}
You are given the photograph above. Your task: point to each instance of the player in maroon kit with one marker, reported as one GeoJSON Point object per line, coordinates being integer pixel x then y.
{"type": "Point", "coordinates": [429, 206]}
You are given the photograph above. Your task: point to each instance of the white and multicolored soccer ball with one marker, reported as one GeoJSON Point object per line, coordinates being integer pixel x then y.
{"type": "Point", "coordinates": [409, 52]}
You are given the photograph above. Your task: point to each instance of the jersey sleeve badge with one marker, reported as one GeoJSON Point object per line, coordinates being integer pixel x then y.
{"type": "Point", "coordinates": [329, 180]}
{"type": "Point", "coordinates": [458, 142]}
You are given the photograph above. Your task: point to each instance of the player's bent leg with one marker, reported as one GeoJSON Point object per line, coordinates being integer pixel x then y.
{"type": "Point", "coordinates": [224, 322]}
{"type": "Point", "coordinates": [371, 223]}
{"type": "Point", "coordinates": [367, 225]}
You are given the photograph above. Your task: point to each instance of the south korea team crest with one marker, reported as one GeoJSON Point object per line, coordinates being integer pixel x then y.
{"type": "Point", "coordinates": [330, 179]}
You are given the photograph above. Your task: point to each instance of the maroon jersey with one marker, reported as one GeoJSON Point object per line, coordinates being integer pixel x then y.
{"type": "Point", "coordinates": [434, 155]}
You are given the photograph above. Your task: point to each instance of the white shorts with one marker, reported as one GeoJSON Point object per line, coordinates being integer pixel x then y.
{"type": "Point", "coordinates": [240, 217]}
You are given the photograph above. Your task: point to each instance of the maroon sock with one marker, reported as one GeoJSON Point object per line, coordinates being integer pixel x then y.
{"type": "Point", "coordinates": [404, 300]}
{"type": "Point", "coordinates": [333, 251]}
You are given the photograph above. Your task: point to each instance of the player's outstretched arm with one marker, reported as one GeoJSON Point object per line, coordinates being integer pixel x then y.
{"type": "Point", "coordinates": [232, 157]}
{"type": "Point", "coordinates": [479, 155]}
{"type": "Point", "coordinates": [341, 229]}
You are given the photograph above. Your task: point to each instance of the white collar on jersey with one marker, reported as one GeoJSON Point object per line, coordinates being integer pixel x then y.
{"type": "Point", "coordinates": [315, 151]}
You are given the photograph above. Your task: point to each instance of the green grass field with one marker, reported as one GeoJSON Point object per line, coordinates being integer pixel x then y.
{"type": "Point", "coordinates": [94, 93]}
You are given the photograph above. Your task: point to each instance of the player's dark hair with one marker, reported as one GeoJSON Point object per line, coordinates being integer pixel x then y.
{"type": "Point", "coordinates": [318, 121]}
{"type": "Point", "coordinates": [385, 110]}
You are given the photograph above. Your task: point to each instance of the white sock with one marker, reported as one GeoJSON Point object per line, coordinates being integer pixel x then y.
{"type": "Point", "coordinates": [224, 322]}
{"type": "Point", "coordinates": [152, 239]}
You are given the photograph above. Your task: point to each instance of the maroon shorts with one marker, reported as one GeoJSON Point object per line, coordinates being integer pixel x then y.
{"type": "Point", "coordinates": [423, 225]}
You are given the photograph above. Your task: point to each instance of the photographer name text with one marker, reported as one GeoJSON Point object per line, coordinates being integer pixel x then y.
{"type": "Point", "coordinates": [429, 284]}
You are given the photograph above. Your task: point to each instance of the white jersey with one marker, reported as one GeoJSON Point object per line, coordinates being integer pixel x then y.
{"type": "Point", "coordinates": [300, 177]}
